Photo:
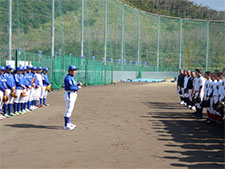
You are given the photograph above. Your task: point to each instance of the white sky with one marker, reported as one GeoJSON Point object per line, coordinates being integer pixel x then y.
{"type": "Point", "coordinates": [214, 4]}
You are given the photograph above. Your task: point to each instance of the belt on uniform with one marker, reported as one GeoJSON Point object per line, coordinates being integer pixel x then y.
{"type": "Point", "coordinates": [71, 91]}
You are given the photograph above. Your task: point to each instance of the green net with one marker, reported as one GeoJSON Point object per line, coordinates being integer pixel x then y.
{"type": "Point", "coordinates": [159, 43]}
{"type": "Point", "coordinates": [194, 43]}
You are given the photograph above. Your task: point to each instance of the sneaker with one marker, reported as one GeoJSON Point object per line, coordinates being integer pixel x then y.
{"type": "Point", "coordinates": [27, 110]}
{"type": "Point", "coordinates": [6, 115]}
{"type": "Point", "coordinates": [17, 113]}
{"type": "Point", "coordinates": [72, 125]}
{"type": "Point", "coordinates": [2, 117]}
{"type": "Point", "coordinates": [189, 107]}
{"type": "Point", "coordinates": [46, 104]}
{"type": "Point", "coordinates": [69, 127]}
{"type": "Point", "coordinates": [12, 114]}
{"type": "Point", "coordinates": [182, 102]}
{"type": "Point", "coordinates": [193, 108]}
{"type": "Point", "coordinates": [21, 112]}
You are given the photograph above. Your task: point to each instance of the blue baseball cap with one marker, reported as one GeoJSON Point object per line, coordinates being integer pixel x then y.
{"type": "Point", "coordinates": [72, 67]}
{"type": "Point", "coordinates": [8, 67]}
{"type": "Point", "coordinates": [24, 68]}
{"type": "Point", "coordinates": [34, 68]}
{"type": "Point", "coordinates": [2, 68]}
{"type": "Point", "coordinates": [39, 68]}
{"type": "Point", "coordinates": [45, 69]}
{"type": "Point", "coordinates": [19, 68]}
{"type": "Point", "coordinates": [29, 67]}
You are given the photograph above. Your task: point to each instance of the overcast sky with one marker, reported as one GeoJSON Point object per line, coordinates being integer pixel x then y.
{"type": "Point", "coordinates": [214, 4]}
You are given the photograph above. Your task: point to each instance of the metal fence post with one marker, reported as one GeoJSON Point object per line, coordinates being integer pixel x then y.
{"type": "Point", "coordinates": [82, 29]}
{"type": "Point", "coordinates": [52, 38]}
{"type": "Point", "coordinates": [139, 36]}
{"type": "Point", "coordinates": [181, 36]}
{"type": "Point", "coordinates": [158, 39]}
{"type": "Point", "coordinates": [53, 30]}
{"type": "Point", "coordinates": [10, 30]}
{"type": "Point", "coordinates": [105, 32]}
{"type": "Point", "coordinates": [122, 35]}
{"type": "Point", "coordinates": [207, 45]}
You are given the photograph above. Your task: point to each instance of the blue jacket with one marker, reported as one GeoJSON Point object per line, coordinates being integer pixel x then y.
{"type": "Point", "coordinates": [29, 77]}
{"type": "Point", "coordinates": [19, 81]}
{"type": "Point", "coordinates": [3, 85]}
{"type": "Point", "coordinates": [70, 83]}
{"type": "Point", "coordinates": [26, 82]}
{"type": "Point", "coordinates": [36, 80]}
{"type": "Point", "coordinates": [45, 79]}
{"type": "Point", "coordinates": [10, 81]}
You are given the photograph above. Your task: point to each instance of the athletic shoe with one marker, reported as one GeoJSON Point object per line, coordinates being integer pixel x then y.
{"type": "Point", "coordinates": [189, 107]}
{"type": "Point", "coordinates": [17, 113]}
{"type": "Point", "coordinates": [6, 115]}
{"type": "Point", "coordinates": [27, 110]}
{"type": "Point", "coordinates": [46, 104]}
{"type": "Point", "coordinates": [21, 112]}
{"type": "Point", "coordinates": [12, 114]}
{"type": "Point", "coordinates": [193, 108]}
{"type": "Point", "coordinates": [68, 127]}
{"type": "Point", "coordinates": [2, 117]}
{"type": "Point", "coordinates": [72, 125]}
{"type": "Point", "coordinates": [182, 102]}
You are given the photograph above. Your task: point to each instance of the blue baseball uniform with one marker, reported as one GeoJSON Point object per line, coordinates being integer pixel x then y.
{"type": "Point", "coordinates": [70, 96]}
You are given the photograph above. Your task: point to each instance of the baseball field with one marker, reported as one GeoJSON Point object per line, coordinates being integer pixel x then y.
{"type": "Point", "coordinates": [125, 126]}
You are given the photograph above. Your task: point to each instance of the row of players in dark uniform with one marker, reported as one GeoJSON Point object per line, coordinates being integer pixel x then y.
{"type": "Point", "coordinates": [198, 92]}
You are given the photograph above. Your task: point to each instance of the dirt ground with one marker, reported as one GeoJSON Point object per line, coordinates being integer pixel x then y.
{"type": "Point", "coordinates": [118, 126]}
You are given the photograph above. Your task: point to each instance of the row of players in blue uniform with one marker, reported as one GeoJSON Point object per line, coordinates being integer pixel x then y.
{"type": "Point", "coordinates": [26, 89]}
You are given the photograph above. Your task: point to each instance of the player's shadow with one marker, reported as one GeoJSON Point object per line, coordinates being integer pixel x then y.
{"type": "Point", "coordinates": [35, 126]}
{"type": "Point", "coordinates": [193, 143]}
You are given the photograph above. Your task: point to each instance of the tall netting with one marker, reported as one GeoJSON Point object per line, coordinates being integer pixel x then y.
{"type": "Point", "coordinates": [149, 27]}
{"type": "Point", "coordinates": [169, 44]}
{"type": "Point", "coordinates": [216, 45]}
{"type": "Point", "coordinates": [94, 12]}
{"type": "Point", "coordinates": [194, 44]}
{"type": "Point", "coordinates": [3, 25]}
{"type": "Point", "coordinates": [31, 30]}
{"type": "Point", "coordinates": [159, 43]}
{"type": "Point", "coordinates": [130, 36]}
{"type": "Point", "coordinates": [114, 32]}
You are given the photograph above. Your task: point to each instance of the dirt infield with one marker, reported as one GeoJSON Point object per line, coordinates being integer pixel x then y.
{"type": "Point", "coordinates": [119, 126]}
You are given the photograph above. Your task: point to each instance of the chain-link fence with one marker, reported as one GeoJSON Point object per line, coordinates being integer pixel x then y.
{"type": "Point", "coordinates": [107, 32]}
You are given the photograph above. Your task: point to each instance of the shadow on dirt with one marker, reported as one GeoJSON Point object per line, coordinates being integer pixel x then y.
{"type": "Point", "coordinates": [202, 144]}
{"type": "Point", "coordinates": [35, 126]}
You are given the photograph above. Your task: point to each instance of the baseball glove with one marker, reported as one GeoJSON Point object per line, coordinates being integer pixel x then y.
{"type": "Point", "coordinates": [23, 94]}
{"type": "Point", "coordinates": [48, 87]}
{"type": "Point", "coordinates": [13, 94]}
{"type": "Point", "coordinates": [5, 98]}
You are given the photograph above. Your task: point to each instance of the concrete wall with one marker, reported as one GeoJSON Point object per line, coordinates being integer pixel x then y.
{"type": "Point", "coordinates": [124, 75]}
